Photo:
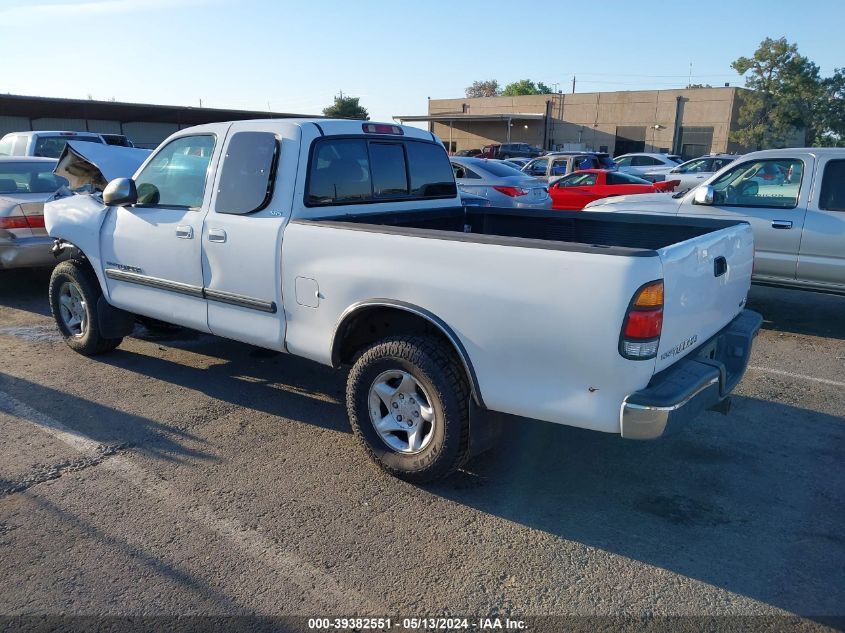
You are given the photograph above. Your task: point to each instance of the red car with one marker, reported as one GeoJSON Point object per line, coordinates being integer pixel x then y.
{"type": "Point", "coordinates": [574, 191]}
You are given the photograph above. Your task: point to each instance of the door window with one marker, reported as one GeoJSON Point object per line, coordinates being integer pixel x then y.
{"type": "Point", "coordinates": [832, 197]}
{"type": "Point", "coordinates": [695, 166]}
{"type": "Point", "coordinates": [176, 175]}
{"type": "Point", "coordinates": [559, 167]}
{"type": "Point", "coordinates": [580, 179]}
{"type": "Point", "coordinates": [645, 161]}
{"type": "Point", "coordinates": [249, 168]}
{"type": "Point", "coordinates": [761, 183]}
{"type": "Point", "coordinates": [539, 167]}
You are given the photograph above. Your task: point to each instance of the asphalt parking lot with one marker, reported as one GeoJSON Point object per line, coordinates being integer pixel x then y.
{"type": "Point", "coordinates": [186, 474]}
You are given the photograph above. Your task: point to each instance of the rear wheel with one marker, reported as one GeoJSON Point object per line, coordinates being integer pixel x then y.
{"type": "Point", "coordinates": [408, 403]}
{"type": "Point", "coordinates": [74, 292]}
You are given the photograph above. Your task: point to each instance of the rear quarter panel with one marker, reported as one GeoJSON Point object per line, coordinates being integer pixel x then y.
{"type": "Point", "coordinates": [541, 326]}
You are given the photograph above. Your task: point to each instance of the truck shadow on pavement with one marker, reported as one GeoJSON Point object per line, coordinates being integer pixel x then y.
{"type": "Point", "coordinates": [111, 428]}
{"type": "Point", "coordinates": [751, 503]}
{"type": "Point", "coordinates": [26, 290]}
{"type": "Point", "coordinates": [248, 377]}
{"type": "Point", "coordinates": [799, 311]}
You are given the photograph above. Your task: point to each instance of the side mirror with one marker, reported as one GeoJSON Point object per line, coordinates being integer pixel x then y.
{"type": "Point", "coordinates": [120, 192]}
{"type": "Point", "coordinates": [703, 195]}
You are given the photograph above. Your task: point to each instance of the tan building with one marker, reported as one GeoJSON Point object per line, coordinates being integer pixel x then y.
{"type": "Point", "coordinates": [689, 122]}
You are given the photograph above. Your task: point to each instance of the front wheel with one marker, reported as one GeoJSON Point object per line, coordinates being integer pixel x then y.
{"type": "Point", "coordinates": [74, 292]}
{"type": "Point", "coordinates": [408, 403]}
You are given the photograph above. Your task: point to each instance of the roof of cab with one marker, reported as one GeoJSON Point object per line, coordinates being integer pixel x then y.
{"type": "Point", "coordinates": [329, 127]}
{"type": "Point", "coordinates": [52, 133]}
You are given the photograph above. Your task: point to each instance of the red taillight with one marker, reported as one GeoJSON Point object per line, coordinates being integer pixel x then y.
{"type": "Point", "coordinates": [22, 222]}
{"type": "Point", "coordinates": [513, 192]}
{"type": "Point", "coordinates": [643, 323]}
{"type": "Point", "coordinates": [382, 128]}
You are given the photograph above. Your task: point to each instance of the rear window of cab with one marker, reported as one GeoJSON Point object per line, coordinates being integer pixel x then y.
{"type": "Point", "coordinates": [355, 170]}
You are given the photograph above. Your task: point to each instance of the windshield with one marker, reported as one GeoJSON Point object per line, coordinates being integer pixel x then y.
{"type": "Point", "coordinates": [53, 146]}
{"type": "Point", "coordinates": [29, 178]}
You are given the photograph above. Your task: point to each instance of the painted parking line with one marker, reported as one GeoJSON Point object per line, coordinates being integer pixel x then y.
{"type": "Point", "coordinates": [789, 374]}
{"type": "Point", "coordinates": [319, 587]}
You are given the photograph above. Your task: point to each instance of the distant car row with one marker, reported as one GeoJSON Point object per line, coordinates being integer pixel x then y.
{"type": "Point", "coordinates": [654, 167]}
{"type": "Point", "coordinates": [50, 144]}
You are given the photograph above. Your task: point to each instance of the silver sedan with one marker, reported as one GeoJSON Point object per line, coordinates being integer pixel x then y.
{"type": "Point", "coordinates": [500, 184]}
{"type": "Point", "coordinates": [25, 184]}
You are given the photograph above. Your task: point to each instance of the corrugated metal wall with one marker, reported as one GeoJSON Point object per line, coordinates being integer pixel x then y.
{"type": "Point", "coordinates": [148, 135]}
{"type": "Point", "coordinates": [13, 124]}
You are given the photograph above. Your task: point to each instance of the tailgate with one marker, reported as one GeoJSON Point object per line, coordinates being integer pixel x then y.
{"type": "Point", "coordinates": [706, 281]}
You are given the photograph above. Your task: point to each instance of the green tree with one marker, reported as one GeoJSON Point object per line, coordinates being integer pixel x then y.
{"type": "Point", "coordinates": [346, 108]}
{"type": "Point", "coordinates": [486, 88]}
{"type": "Point", "coordinates": [786, 96]}
{"type": "Point", "coordinates": [525, 87]}
{"type": "Point", "coordinates": [832, 129]}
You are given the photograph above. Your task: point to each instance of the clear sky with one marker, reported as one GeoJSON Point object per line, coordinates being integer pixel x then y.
{"type": "Point", "coordinates": [293, 57]}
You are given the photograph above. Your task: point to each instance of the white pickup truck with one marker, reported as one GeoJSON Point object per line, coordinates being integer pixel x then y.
{"type": "Point", "coordinates": [794, 200]}
{"type": "Point", "coordinates": [345, 242]}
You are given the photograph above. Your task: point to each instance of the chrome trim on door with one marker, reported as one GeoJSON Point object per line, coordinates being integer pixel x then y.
{"type": "Point", "coordinates": [185, 232]}
{"type": "Point", "coordinates": [192, 291]}
{"type": "Point", "coordinates": [154, 282]}
{"type": "Point", "coordinates": [216, 235]}
{"type": "Point", "coordinates": [240, 300]}
{"type": "Point", "coordinates": [781, 224]}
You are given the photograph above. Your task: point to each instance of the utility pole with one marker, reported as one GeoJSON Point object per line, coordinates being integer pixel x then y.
{"type": "Point", "coordinates": [573, 84]}
{"type": "Point", "coordinates": [689, 81]}
{"type": "Point", "coordinates": [200, 101]}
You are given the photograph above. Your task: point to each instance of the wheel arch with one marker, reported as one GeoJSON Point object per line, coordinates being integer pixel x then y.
{"type": "Point", "coordinates": [365, 322]}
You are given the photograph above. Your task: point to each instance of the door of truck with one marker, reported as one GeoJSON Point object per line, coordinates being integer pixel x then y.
{"type": "Point", "coordinates": [770, 194]}
{"type": "Point", "coordinates": [151, 251]}
{"type": "Point", "coordinates": [242, 233]}
{"type": "Point", "coordinates": [821, 261]}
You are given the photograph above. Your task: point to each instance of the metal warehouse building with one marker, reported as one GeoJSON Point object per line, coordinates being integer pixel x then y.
{"type": "Point", "coordinates": [145, 125]}
{"type": "Point", "coordinates": [689, 122]}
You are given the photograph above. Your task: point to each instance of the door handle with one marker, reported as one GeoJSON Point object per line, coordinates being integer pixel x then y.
{"type": "Point", "coordinates": [216, 235]}
{"type": "Point", "coordinates": [781, 224]}
{"type": "Point", "coordinates": [185, 232]}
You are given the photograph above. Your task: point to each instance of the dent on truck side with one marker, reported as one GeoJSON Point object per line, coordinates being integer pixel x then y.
{"type": "Point", "coordinates": [78, 219]}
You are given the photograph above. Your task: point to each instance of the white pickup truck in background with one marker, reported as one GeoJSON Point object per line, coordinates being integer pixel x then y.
{"type": "Point", "coordinates": [794, 200]}
{"type": "Point", "coordinates": [345, 242]}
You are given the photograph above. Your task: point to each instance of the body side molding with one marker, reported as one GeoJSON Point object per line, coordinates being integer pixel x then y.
{"type": "Point", "coordinates": [193, 291]}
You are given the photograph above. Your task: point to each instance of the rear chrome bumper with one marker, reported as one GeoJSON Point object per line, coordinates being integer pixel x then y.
{"type": "Point", "coordinates": [700, 381]}
{"type": "Point", "coordinates": [27, 252]}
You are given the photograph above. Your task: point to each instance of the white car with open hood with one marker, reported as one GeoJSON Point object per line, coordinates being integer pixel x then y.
{"type": "Point", "coordinates": [345, 242]}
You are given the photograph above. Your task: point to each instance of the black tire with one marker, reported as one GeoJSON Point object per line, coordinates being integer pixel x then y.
{"type": "Point", "coordinates": [89, 342]}
{"type": "Point", "coordinates": [433, 364]}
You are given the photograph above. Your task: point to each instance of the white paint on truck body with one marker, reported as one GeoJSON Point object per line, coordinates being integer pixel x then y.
{"type": "Point", "coordinates": [540, 326]}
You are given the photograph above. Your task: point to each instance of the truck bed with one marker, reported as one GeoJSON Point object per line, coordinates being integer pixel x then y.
{"type": "Point", "coordinates": [620, 234]}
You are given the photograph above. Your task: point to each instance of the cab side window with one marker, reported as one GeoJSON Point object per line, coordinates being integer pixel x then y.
{"type": "Point", "coordinates": [832, 197]}
{"type": "Point", "coordinates": [772, 183]}
{"type": "Point", "coordinates": [249, 169]}
{"type": "Point", "coordinates": [176, 175]}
